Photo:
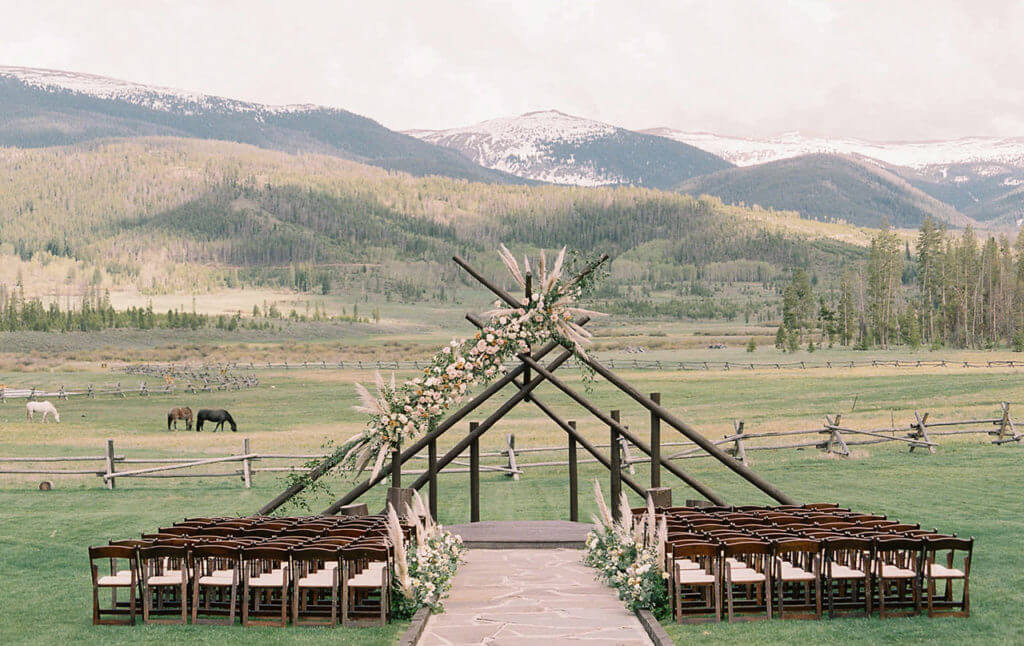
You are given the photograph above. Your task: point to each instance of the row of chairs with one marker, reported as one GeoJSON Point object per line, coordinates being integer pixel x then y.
{"type": "Point", "coordinates": [785, 561]}
{"type": "Point", "coordinates": [264, 571]}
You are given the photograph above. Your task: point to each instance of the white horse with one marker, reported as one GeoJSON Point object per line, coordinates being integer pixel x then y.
{"type": "Point", "coordinates": [46, 408]}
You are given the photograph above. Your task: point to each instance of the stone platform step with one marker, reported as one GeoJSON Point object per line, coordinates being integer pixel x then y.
{"type": "Point", "coordinates": [522, 534]}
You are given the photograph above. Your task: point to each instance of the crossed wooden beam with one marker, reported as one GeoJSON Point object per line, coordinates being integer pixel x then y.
{"type": "Point", "coordinates": [526, 377]}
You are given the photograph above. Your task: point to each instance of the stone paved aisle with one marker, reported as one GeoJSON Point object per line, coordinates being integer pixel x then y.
{"type": "Point", "coordinates": [539, 596]}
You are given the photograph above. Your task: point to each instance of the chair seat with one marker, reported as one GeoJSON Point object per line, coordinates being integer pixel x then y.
{"type": "Point", "coordinates": [273, 579]}
{"type": "Point", "coordinates": [796, 574]}
{"type": "Point", "coordinates": [319, 579]}
{"type": "Point", "coordinates": [122, 578]}
{"type": "Point", "coordinates": [176, 578]}
{"type": "Point", "coordinates": [691, 577]}
{"type": "Point", "coordinates": [366, 579]}
{"type": "Point", "coordinates": [686, 564]}
{"type": "Point", "coordinates": [734, 562]}
{"type": "Point", "coordinates": [937, 571]}
{"type": "Point", "coordinates": [216, 579]}
{"type": "Point", "coordinates": [745, 575]}
{"type": "Point", "coordinates": [844, 572]}
{"type": "Point", "coordinates": [893, 572]}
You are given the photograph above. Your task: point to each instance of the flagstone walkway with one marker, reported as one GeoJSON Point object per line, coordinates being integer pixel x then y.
{"type": "Point", "coordinates": [531, 596]}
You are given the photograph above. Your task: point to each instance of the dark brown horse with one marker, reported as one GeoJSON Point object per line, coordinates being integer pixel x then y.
{"type": "Point", "coordinates": [175, 414]}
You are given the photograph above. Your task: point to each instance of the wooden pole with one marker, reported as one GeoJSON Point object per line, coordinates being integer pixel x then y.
{"type": "Point", "coordinates": [461, 446]}
{"type": "Point", "coordinates": [109, 458]}
{"type": "Point", "coordinates": [513, 469]}
{"type": "Point", "coordinates": [574, 498]}
{"type": "Point", "coordinates": [622, 430]}
{"type": "Point", "coordinates": [616, 467]}
{"type": "Point", "coordinates": [745, 472]}
{"type": "Point", "coordinates": [528, 289]}
{"type": "Point", "coordinates": [396, 470]}
{"type": "Point", "coordinates": [655, 444]}
{"type": "Point", "coordinates": [330, 462]}
{"type": "Point", "coordinates": [432, 471]}
{"type": "Point", "coordinates": [474, 475]}
{"type": "Point", "coordinates": [246, 464]}
{"type": "Point", "coordinates": [739, 449]}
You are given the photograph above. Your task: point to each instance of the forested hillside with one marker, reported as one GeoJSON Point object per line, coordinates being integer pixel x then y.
{"type": "Point", "coordinates": [171, 214]}
{"type": "Point", "coordinates": [828, 187]}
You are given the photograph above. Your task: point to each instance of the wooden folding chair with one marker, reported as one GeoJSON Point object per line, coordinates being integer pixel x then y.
{"type": "Point", "coordinates": [366, 582]}
{"type": "Point", "coordinates": [796, 564]}
{"type": "Point", "coordinates": [215, 583]}
{"type": "Point", "coordinates": [127, 577]}
{"type": "Point", "coordinates": [265, 585]}
{"type": "Point", "coordinates": [747, 565]}
{"type": "Point", "coordinates": [847, 575]}
{"type": "Point", "coordinates": [165, 576]}
{"type": "Point", "coordinates": [313, 582]}
{"type": "Point", "coordinates": [696, 584]}
{"type": "Point", "coordinates": [946, 605]}
{"type": "Point", "coordinates": [897, 568]}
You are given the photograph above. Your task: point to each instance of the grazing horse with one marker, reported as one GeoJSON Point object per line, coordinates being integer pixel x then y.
{"type": "Point", "coordinates": [219, 416]}
{"type": "Point", "coordinates": [46, 408]}
{"type": "Point", "coordinates": [175, 414]}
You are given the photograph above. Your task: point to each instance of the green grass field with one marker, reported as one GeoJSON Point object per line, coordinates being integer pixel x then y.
{"type": "Point", "coordinates": [968, 486]}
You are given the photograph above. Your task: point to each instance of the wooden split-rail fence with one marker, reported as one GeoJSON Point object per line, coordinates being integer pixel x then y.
{"type": "Point", "coordinates": [613, 364]}
{"type": "Point", "coordinates": [91, 391]}
{"type": "Point", "coordinates": [833, 437]}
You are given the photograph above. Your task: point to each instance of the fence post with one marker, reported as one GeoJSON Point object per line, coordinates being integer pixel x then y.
{"type": "Point", "coordinates": [922, 432]}
{"type": "Point", "coordinates": [574, 509]}
{"type": "Point", "coordinates": [109, 479]}
{"type": "Point", "coordinates": [246, 464]}
{"type": "Point", "coordinates": [655, 444]}
{"type": "Point", "coordinates": [3, 394]}
{"type": "Point", "coordinates": [616, 468]}
{"type": "Point", "coordinates": [513, 470]}
{"type": "Point", "coordinates": [432, 470]}
{"type": "Point", "coordinates": [739, 451]}
{"type": "Point", "coordinates": [474, 475]}
{"type": "Point", "coordinates": [627, 455]}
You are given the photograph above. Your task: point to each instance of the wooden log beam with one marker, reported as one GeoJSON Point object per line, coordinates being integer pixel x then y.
{"type": "Point", "coordinates": [668, 418]}
{"type": "Point", "coordinates": [330, 462]}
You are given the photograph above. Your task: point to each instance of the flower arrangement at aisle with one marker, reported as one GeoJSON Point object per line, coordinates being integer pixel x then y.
{"type": "Point", "coordinates": [629, 555]}
{"type": "Point", "coordinates": [402, 412]}
{"type": "Point", "coordinates": [423, 570]}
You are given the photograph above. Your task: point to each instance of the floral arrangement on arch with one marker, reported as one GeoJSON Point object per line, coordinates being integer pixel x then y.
{"type": "Point", "coordinates": [423, 570]}
{"type": "Point", "coordinates": [629, 555]}
{"type": "Point", "coordinates": [400, 412]}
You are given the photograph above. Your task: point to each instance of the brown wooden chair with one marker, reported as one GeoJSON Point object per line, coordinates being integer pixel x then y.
{"type": "Point", "coordinates": [265, 586]}
{"type": "Point", "coordinates": [366, 581]}
{"type": "Point", "coordinates": [897, 572]}
{"type": "Point", "coordinates": [165, 576]}
{"type": "Point", "coordinates": [934, 571]}
{"type": "Point", "coordinates": [696, 583]}
{"type": "Point", "coordinates": [847, 575]}
{"type": "Point", "coordinates": [216, 573]}
{"type": "Point", "coordinates": [747, 565]}
{"type": "Point", "coordinates": [119, 577]}
{"type": "Point", "coordinates": [313, 582]}
{"type": "Point", "coordinates": [796, 564]}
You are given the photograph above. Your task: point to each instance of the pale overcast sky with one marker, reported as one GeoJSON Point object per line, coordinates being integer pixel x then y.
{"type": "Point", "coordinates": [892, 69]}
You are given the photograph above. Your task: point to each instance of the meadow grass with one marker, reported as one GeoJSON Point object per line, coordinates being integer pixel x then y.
{"type": "Point", "coordinates": [968, 486]}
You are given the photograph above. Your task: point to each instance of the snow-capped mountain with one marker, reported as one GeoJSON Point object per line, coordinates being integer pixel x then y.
{"type": "Point", "coordinates": [552, 146]}
{"type": "Point", "coordinates": [979, 176]}
{"type": "Point", "coordinates": [744, 151]}
{"type": "Point", "coordinates": [40, 107]}
{"type": "Point", "coordinates": [149, 96]}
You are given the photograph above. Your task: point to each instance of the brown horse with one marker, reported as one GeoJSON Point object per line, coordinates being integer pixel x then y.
{"type": "Point", "coordinates": [175, 414]}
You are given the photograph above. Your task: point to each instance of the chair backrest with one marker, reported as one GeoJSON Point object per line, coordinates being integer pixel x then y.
{"type": "Point", "coordinates": [151, 552]}
{"type": "Point", "coordinates": [746, 547]}
{"type": "Point", "coordinates": [898, 544]}
{"type": "Point", "coordinates": [821, 505]}
{"type": "Point", "coordinates": [695, 549]}
{"type": "Point", "coordinates": [315, 554]}
{"type": "Point", "coordinates": [112, 552]}
{"type": "Point", "coordinates": [267, 553]}
{"type": "Point", "coordinates": [944, 543]}
{"type": "Point", "coordinates": [365, 551]}
{"type": "Point", "coordinates": [793, 545]}
{"type": "Point", "coordinates": [130, 542]}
